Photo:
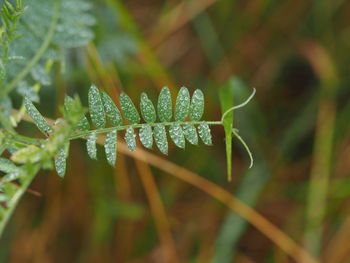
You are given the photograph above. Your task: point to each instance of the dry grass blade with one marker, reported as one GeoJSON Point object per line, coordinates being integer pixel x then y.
{"type": "Point", "coordinates": [158, 211]}
{"type": "Point", "coordinates": [282, 240]}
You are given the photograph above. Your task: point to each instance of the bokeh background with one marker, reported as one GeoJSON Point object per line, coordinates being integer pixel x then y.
{"type": "Point", "coordinates": [296, 54]}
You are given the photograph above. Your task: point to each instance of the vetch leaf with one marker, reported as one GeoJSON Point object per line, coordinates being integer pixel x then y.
{"type": "Point", "coordinates": [91, 145]}
{"type": "Point", "coordinates": [97, 113]}
{"type": "Point", "coordinates": [130, 139]}
{"type": "Point", "coordinates": [129, 110]}
{"type": "Point", "coordinates": [111, 147]}
{"type": "Point", "coordinates": [60, 161]}
{"type": "Point", "coordinates": [204, 133]}
{"type": "Point", "coordinates": [159, 134]}
{"type": "Point", "coordinates": [190, 133]}
{"type": "Point", "coordinates": [182, 105]}
{"type": "Point", "coordinates": [38, 119]}
{"type": "Point", "coordinates": [197, 105]}
{"type": "Point", "coordinates": [148, 111]}
{"type": "Point", "coordinates": [177, 135]}
{"type": "Point", "coordinates": [146, 136]}
{"type": "Point", "coordinates": [112, 112]}
{"type": "Point", "coordinates": [164, 106]}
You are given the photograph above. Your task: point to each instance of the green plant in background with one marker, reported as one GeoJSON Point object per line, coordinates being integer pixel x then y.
{"type": "Point", "coordinates": [25, 66]}
{"type": "Point", "coordinates": [32, 40]}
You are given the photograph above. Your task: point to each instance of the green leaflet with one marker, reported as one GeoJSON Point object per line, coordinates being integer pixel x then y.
{"type": "Point", "coordinates": [164, 106]}
{"type": "Point", "coordinates": [197, 105]}
{"type": "Point", "coordinates": [111, 147]}
{"type": "Point", "coordinates": [38, 119]}
{"type": "Point", "coordinates": [71, 107]}
{"type": "Point", "coordinates": [91, 145]}
{"type": "Point", "coordinates": [204, 133]}
{"type": "Point", "coordinates": [159, 135]}
{"type": "Point", "coordinates": [97, 113]}
{"type": "Point", "coordinates": [182, 105]}
{"type": "Point", "coordinates": [112, 112]}
{"type": "Point", "coordinates": [146, 136]}
{"type": "Point", "coordinates": [29, 154]}
{"type": "Point", "coordinates": [177, 135]}
{"type": "Point", "coordinates": [148, 111]}
{"type": "Point", "coordinates": [8, 167]}
{"type": "Point", "coordinates": [128, 108]}
{"type": "Point", "coordinates": [190, 133]}
{"type": "Point", "coordinates": [130, 139]}
{"type": "Point", "coordinates": [61, 161]}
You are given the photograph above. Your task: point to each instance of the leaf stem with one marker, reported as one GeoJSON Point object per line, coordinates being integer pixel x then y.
{"type": "Point", "coordinates": [135, 126]}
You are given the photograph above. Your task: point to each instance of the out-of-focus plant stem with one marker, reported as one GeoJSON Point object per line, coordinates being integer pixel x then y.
{"type": "Point", "coordinates": [323, 146]}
